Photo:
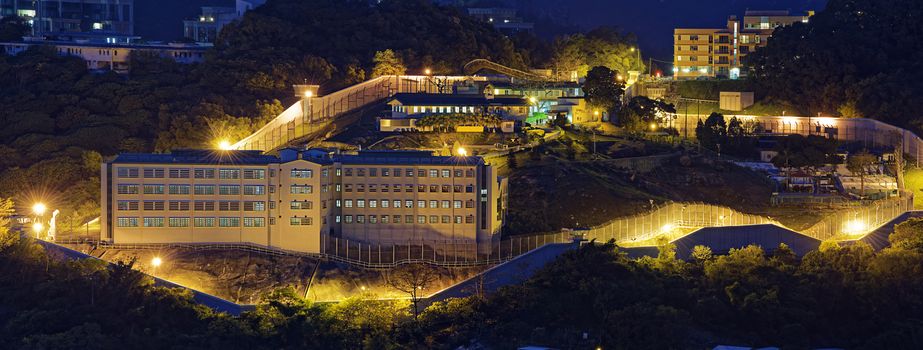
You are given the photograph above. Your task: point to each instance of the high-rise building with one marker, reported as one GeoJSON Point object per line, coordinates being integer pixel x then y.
{"type": "Point", "coordinates": [299, 199]}
{"type": "Point", "coordinates": [205, 29]}
{"type": "Point", "coordinates": [717, 52]}
{"type": "Point", "coordinates": [21, 8]}
{"type": "Point", "coordinates": [67, 16]}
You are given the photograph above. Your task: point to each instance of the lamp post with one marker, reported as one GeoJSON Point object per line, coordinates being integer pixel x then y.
{"type": "Point", "coordinates": [155, 263]}
{"type": "Point", "coordinates": [38, 226]}
{"type": "Point", "coordinates": [306, 93]}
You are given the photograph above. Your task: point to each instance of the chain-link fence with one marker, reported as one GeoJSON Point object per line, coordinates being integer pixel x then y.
{"type": "Point", "coordinates": [861, 219]}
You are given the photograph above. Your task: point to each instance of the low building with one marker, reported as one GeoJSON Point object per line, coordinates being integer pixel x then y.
{"type": "Point", "coordinates": [576, 111]}
{"type": "Point", "coordinates": [112, 56]}
{"type": "Point", "coordinates": [408, 109]}
{"type": "Point", "coordinates": [301, 199]}
{"type": "Point", "coordinates": [735, 100]}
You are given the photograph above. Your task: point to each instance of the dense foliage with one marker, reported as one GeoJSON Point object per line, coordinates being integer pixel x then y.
{"type": "Point", "coordinates": [856, 58]}
{"type": "Point", "coordinates": [841, 296]}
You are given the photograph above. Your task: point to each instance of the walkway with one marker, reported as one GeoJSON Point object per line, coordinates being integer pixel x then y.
{"type": "Point", "coordinates": [511, 272]}
{"type": "Point", "coordinates": [878, 238]}
{"type": "Point", "coordinates": [213, 302]}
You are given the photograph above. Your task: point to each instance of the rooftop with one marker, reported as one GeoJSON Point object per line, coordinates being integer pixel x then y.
{"type": "Point", "coordinates": [458, 100]}
{"type": "Point", "coordinates": [198, 157]}
{"type": "Point", "coordinates": [212, 157]}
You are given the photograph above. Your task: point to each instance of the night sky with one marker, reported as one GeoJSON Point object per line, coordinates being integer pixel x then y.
{"type": "Point", "coordinates": [652, 20]}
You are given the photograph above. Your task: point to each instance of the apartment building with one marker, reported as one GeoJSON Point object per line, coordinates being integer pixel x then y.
{"type": "Point", "coordinates": [114, 54]}
{"type": "Point", "coordinates": [206, 27]}
{"type": "Point", "coordinates": [718, 52]}
{"type": "Point", "coordinates": [296, 200]}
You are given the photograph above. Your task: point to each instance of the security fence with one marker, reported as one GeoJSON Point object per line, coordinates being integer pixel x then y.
{"type": "Point", "coordinates": [861, 219]}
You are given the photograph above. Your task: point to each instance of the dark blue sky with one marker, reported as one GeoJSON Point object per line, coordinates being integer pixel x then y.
{"type": "Point", "coordinates": [653, 20]}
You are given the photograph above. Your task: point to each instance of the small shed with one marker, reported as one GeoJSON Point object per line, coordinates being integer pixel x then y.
{"type": "Point", "coordinates": [735, 100]}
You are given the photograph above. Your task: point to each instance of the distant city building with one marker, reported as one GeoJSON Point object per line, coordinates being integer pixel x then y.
{"type": "Point", "coordinates": [299, 200]}
{"type": "Point", "coordinates": [205, 29]}
{"type": "Point", "coordinates": [65, 16]}
{"type": "Point", "coordinates": [107, 52]}
{"type": "Point", "coordinates": [503, 19]}
{"type": "Point", "coordinates": [717, 52]}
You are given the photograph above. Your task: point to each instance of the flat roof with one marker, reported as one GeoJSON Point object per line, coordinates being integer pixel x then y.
{"type": "Point", "coordinates": [253, 157]}
{"type": "Point", "coordinates": [458, 100]}
{"type": "Point", "coordinates": [212, 157]}
{"type": "Point", "coordinates": [405, 157]}
{"type": "Point", "coordinates": [112, 46]}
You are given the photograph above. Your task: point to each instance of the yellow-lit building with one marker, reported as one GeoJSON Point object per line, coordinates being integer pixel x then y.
{"type": "Point", "coordinates": [717, 52]}
{"type": "Point", "coordinates": [299, 199]}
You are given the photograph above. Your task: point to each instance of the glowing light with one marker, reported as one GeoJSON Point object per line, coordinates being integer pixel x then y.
{"type": "Point", "coordinates": [427, 71]}
{"type": "Point", "coordinates": [667, 228]}
{"type": "Point", "coordinates": [653, 126]}
{"type": "Point", "coordinates": [703, 70]}
{"type": "Point", "coordinates": [596, 113]}
{"type": "Point", "coordinates": [686, 70]}
{"type": "Point", "coordinates": [156, 261]}
{"type": "Point", "coordinates": [789, 120]}
{"type": "Point", "coordinates": [461, 151]}
{"type": "Point", "coordinates": [618, 77]}
{"type": "Point", "coordinates": [39, 208]}
{"type": "Point", "coordinates": [855, 227]}
{"type": "Point", "coordinates": [362, 288]}
{"type": "Point", "coordinates": [38, 227]}
{"type": "Point", "coordinates": [225, 145]}
{"type": "Point", "coordinates": [309, 94]}
{"type": "Point", "coordinates": [632, 49]}
{"type": "Point", "coordinates": [826, 121]}
{"type": "Point", "coordinates": [675, 69]}
{"type": "Point", "coordinates": [532, 99]}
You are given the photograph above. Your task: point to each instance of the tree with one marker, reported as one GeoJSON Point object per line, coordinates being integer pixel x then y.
{"type": "Point", "coordinates": [858, 164]}
{"type": "Point", "coordinates": [13, 28]}
{"type": "Point", "coordinates": [387, 63]}
{"type": "Point", "coordinates": [412, 279]}
{"type": "Point", "coordinates": [511, 160]}
{"type": "Point", "coordinates": [7, 236]}
{"type": "Point", "coordinates": [640, 112]}
{"type": "Point", "coordinates": [797, 151]}
{"type": "Point", "coordinates": [908, 234]}
{"type": "Point", "coordinates": [712, 133]}
{"type": "Point", "coordinates": [603, 91]}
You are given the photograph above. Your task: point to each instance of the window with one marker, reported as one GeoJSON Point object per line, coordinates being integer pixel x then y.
{"type": "Point", "coordinates": [446, 219]}
{"type": "Point", "coordinates": [385, 203]}
{"type": "Point", "coordinates": [469, 203]}
{"type": "Point", "coordinates": [396, 219]}
{"type": "Point", "coordinates": [408, 204]}
{"type": "Point", "coordinates": [373, 172]}
{"type": "Point", "coordinates": [204, 222]}
{"type": "Point", "coordinates": [325, 172]}
{"type": "Point", "coordinates": [397, 203]}
{"type": "Point", "coordinates": [469, 173]}
{"type": "Point", "coordinates": [130, 173]}
{"type": "Point", "coordinates": [421, 173]}
{"type": "Point", "coordinates": [229, 174]}
{"type": "Point", "coordinates": [179, 222]}
{"type": "Point", "coordinates": [337, 219]}
{"type": "Point", "coordinates": [373, 219]}
{"type": "Point", "coordinates": [446, 173]}
{"type": "Point", "coordinates": [338, 203]}
{"type": "Point", "coordinates": [434, 219]}
{"type": "Point", "coordinates": [373, 188]}
{"type": "Point", "coordinates": [360, 188]}
{"type": "Point", "coordinates": [360, 172]}
{"type": "Point", "coordinates": [409, 172]}
{"type": "Point", "coordinates": [153, 222]}
{"type": "Point", "coordinates": [349, 203]}
{"type": "Point", "coordinates": [420, 188]}
{"type": "Point", "coordinates": [421, 204]}
{"type": "Point", "coordinates": [254, 222]}
{"type": "Point", "coordinates": [445, 205]}
{"type": "Point", "coordinates": [252, 190]}
{"type": "Point", "coordinates": [446, 188]}
{"type": "Point", "coordinates": [203, 206]}
{"type": "Point", "coordinates": [348, 172]}
{"type": "Point", "coordinates": [397, 188]}
{"type": "Point", "coordinates": [254, 174]}
{"type": "Point", "coordinates": [179, 173]}
{"type": "Point", "coordinates": [421, 219]}
{"type": "Point", "coordinates": [457, 204]}
{"type": "Point", "coordinates": [229, 190]}
{"type": "Point", "coordinates": [434, 173]}
{"type": "Point", "coordinates": [457, 188]}
{"type": "Point", "coordinates": [373, 203]}
{"type": "Point", "coordinates": [469, 189]}
{"type": "Point", "coordinates": [204, 189]}
{"type": "Point", "coordinates": [127, 222]}
{"type": "Point", "coordinates": [153, 173]}
{"type": "Point", "coordinates": [360, 219]}
{"type": "Point", "coordinates": [458, 219]}
{"type": "Point", "coordinates": [179, 205]}
{"type": "Point", "coordinates": [433, 204]}
{"type": "Point", "coordinates": [434, 188]}
{"type": "Point", "coordinates": [204, 173]}
{"type": "Point", "coordinates": [302, 174]}
{"type": "Point", "coordinates": [153, 189]}
{"type": "Point", "coordinates": [408, 188]}
{"type": "Point", "coordinates": [228, 206]}
{"type": "Point", "coordinates": [360, 203]}
{"type": "Point", "coordinates": [254, 206]}
{"type": "Point", "coordinates": [302, 189]}
{"type": "Point", "coordinates": [179, 189]}
{"type": "Point", "coordinates": [348, 219]}
{"type": "Point", "coordinates": [385, 219]}
{"type": "Point", "coordinates": [127, 205]}
{"type": "Point", "coordinates": [153, 205]}
{"type": "Point", "coordinates": [299, 205]}
{"type": "Point", "coordinates": [458, 173]}
{"type": "Point", "coordinates": [469, 219]}
{"type": "Point", "coordinates": [229, 222]}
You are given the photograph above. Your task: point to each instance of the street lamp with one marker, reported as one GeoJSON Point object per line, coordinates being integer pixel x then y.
{"type": "Point", "coordinates": [427, 71]}
{"type": "Point", "coordinates": [38, 228]}
{"type": "Point", "coordinates": [225, 145]}
{"type": "Point", "coordinates": [461, 151]}
{"type": "Point", "coordinates": [155, 263]}
{"type": "Point", "coordinates": [39, 209]}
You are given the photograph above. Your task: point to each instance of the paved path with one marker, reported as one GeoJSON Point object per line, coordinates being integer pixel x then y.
{"type": "Point", "coordinates": [514, 271]}
{"type": "Point", "coordinates": [878, 239]}
{"type": "Point", "coordinates": [209, 300]}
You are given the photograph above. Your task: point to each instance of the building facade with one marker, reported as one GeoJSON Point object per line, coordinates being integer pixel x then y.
{"type": "Point", "coordinates": [54, 16]}
{"type": "Point", "coordinates": [206, 27]}
{"type": "Point", "coordinates": [301, 199]}
{"type": "Point", "coordinates": [717, 52]}
{"type": "Point", "coordinates": [112, 56]}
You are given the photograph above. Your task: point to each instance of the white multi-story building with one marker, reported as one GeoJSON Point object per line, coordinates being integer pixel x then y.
{"type": "Point", "coordinates": [298, 199]}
